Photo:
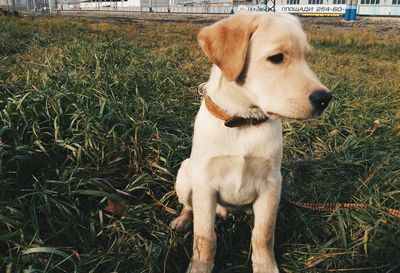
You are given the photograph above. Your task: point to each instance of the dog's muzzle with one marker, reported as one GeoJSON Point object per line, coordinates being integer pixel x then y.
{"type": "Point", "coordinates": [319, 101]}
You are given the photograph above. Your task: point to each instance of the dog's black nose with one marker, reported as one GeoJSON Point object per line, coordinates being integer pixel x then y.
{"type": "Point", "coordinates": [320, 100]}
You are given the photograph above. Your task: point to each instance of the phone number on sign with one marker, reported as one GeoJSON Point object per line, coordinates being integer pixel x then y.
{"type": "Point", "coordinates": [311, 9]}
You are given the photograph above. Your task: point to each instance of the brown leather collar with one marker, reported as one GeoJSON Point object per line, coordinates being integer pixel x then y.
{"type": "Point", "coordinates": [230, 121]}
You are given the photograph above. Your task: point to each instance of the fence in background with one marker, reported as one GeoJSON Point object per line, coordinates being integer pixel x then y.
{"type": "Point", "coordinates": [385, 8]}
{"type": "Point", "coordinates": [47, 6]}
{"type": "Point", "coordinates": [33, 6]}
{"type": "Point", "coordinates": [180, 9]}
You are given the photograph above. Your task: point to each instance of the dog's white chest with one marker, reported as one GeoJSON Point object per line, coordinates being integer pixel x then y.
{"type": "Point", "coordinates": [238, 178]}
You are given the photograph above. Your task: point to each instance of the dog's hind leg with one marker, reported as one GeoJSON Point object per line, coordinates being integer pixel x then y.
{"type": "Point", "coordinates": [222, 212]}
{"type": "Point", "coordinates": [183, 189]}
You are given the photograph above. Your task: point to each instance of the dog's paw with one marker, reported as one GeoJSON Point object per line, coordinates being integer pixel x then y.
{"type": "Point", "coordinates": [222, 212]}
{"type": "Point", "coordinates": [200, 267]}
{"type": "Point", "coordinates": [180, 223]}
{"type": "Point", "coordinates": [183, 221]}
{"type": "Point", "coordinates": [264, 268]}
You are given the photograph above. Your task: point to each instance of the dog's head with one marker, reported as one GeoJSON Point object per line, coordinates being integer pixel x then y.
{"type": "Point", "coordinates": [266, 56]}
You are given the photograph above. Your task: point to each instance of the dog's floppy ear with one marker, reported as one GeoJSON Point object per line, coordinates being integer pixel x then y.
{"type": "Point", "coordinates": [225, 42]}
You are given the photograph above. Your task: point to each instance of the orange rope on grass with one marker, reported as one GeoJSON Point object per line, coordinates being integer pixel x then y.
{"type": "Point", "coordinates": [332, 207]}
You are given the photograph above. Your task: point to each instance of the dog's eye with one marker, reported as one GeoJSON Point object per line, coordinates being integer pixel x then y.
{"type": "Point", "coordinates": [277, 58]}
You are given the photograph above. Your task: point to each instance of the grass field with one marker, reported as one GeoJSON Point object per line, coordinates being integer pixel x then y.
{"type": "Point", "coordinates": [93, 112]}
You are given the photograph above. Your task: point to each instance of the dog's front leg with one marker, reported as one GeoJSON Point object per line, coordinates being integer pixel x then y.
{"type": "Point", "coordinates": [265, 209]}
{"type": "Point", "coordinates": [205, 240]}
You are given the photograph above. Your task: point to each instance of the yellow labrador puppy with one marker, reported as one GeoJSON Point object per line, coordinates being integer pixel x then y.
{"type": "Point", "coordinates": [259, 75]}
